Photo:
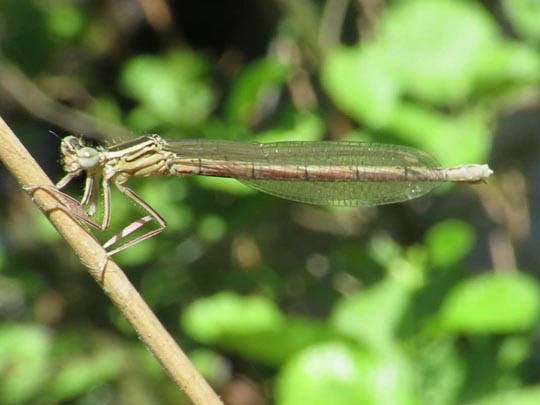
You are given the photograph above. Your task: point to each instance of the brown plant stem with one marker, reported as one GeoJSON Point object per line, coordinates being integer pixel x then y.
{"type": "Point", "coordinates": [110, 277]}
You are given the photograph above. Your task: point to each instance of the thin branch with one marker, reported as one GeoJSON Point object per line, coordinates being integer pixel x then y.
{"type": "Point", "coordinates": [158, 14]}
{"type": "Point", "coordinates": [306, 15]}
{"type": "Point", "coordinates": [22, 90]}
{"type": "Point", "coordinates": [110, 277]}
{"type": "Point", "coordinates": [332, 20]}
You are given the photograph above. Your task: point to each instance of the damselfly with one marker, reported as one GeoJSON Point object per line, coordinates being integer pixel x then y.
{"type": "Point", "coordinates": [325, 173]}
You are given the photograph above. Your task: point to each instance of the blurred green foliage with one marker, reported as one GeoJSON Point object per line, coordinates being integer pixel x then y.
{"type": "Point", "coordinates": [524, 14]}
{"type": "Point", "coordinates": [170, 90]}
{"type": "Point", "coordinates": [394, 305]}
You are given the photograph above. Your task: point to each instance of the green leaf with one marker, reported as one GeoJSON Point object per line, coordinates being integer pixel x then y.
{"type": "Point", "coordinates": [253, 327]}
{"type": "Point", "coordinates": [212, 228]}
{"type": "Point", "coordinates": [524, 16]}
{"type": "Point", "coordinates": [106, 109]}
{"type": "Point", "coordinates": [514, 351]}
{"type": "Point", "coordinates": [441, 372]}
{"type": "Point", "coordinates": [214, 367]}
{"type": "Point", "coordinates": [24, 362]}
{"type": "Point", "coordinates": [438, 67]}
{"type": "Point", "coordinates": [173, 88]}
{"type": "Point", "coordinates": [82, 373]}
{"type": "Point", "coordinates": [361, 84]}
{"type": "Point", "coordinates": [453, 140]}
{"type": "Point", "coordinates": [508, 65]}
{"type": "Point", "coordinates": [337, 373]}
{"type": "Point", "coordinates": [275, 346]}
{"type": "Point", "coordinates": [65, 21]}
{"type": "Point", "coordinates": [492, 303]}
{"type": "Point", "coordinates": [523, 396]}
{"type": "Point", "coordinates": [449, 241]}
{"type": "Point", "coordinates": [371, 316]}
{"type": "Point", "coordinates": [255, 87]}
{"type": "Point", "coordinates": [299, 126]}
{"type": "Point", "coordinates": [3, 260]}
{"type": "Point", "coordinates": [224, 184]}
{"type": "Point", "coordinates": [207, 320]}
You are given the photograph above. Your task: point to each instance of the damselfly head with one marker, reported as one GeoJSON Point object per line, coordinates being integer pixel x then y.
{"type": "Point", "coordinates": [76, 156]}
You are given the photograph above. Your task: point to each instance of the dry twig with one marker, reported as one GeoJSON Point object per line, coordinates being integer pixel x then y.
{"type": "Point", "coordinates": [111, 278]}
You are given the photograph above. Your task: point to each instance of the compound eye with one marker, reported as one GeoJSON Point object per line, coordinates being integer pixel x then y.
{"type": "Point", "coordinates": [70, 144]}
{"type": "Point", "coordinates": [88, 158]}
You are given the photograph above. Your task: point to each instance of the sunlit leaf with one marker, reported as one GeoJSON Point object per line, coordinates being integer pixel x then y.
{"type": "Point", "coordinates": [524, 16]}
{"type": "Point", "coordinates": [360, 82]}
{"type": "Point", "coordinates": [80, 374]}
{"type": "Point", "coordinates": [24, 362]}
{"type": "Point", "coordinates": [337, 373]}
{"type": "Point", "coordinates": [251, 327]}
{"type": "Point", "coordinates": [492, 303]}
{"type": "Point", "coordinates": [509, 65]}
{"type": "Point", "coordinates": [299, 126]}
{"type": "Point", "coordinates": [442, 372]}
{"type": "Point", "coordinates": [212, 228]}
{"type": "Point", "coordinates": [214, 367]}
{"type": "Point", "coordinates": [515, 351]}
{"type": "Point", "coordinates": [107, 110]}
{"type": "Point", "coordinates": [173, 87]}
{"type": "Point", "coordinates": [208, 319]}
{"type": "Point", "coordinates": [449, 241]}
{"type": "Point", "coordinates": [256, 89]}
{"type": "Point", "coordinates": [523, 396]}
{"type": "Point", "coordinates": [225, 184]}
{"type": "Point", "coordinates": [371, 316]}
{"type": "Point", "coordinates": [452, 139]}
{"type": "Point", "coordinates": [65, 20]}
{"type": "Point", "coordinates": [439, 67]}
